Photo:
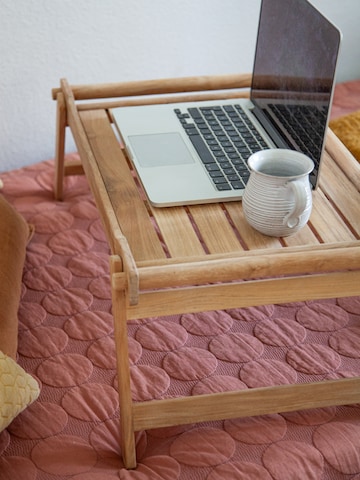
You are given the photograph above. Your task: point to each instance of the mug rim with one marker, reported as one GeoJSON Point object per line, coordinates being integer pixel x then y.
{"type": "Point", "coordinates": [282, 154]}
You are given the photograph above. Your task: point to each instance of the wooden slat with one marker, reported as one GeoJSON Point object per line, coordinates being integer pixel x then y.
{"type": "Point", "coordinates": [230, 94]}
{"type": "Point", "coordinates": [116, 239]}
{"type": "Point", "coordinates": [249, 235]}
{"type": "Point", "coordinates": [244, 403]}
{"type": "Point", "coordinates": [302, 251]}
{"type": "Point", "coordinates": [238, 256]}
{"type": "Point", "coordinates": [327, 222]}
{"type": "Point", "coordinates": [305, 236]}
{"type": "Point", "coordinates": [249, 266]}
{"type": "Point", "coordinates": [246, 294]}
{"type": "Point", "coordinates": [73, 167]}
{"type": "Point", "coordinates": [158, 86]}
{"type": "Point", "coordinates": [123, 369]}
{"type": "Point", "coordinates": [178, 232]}
{"type": "Point", "coordinates": [341, 192]}
{"type": "Point", "coordinates": [61, 123]}
{"type": "Point", "coordinates": [214, 228]}
{"type": "Point", "coordinates": [341, 155]}
{"type": "Point", "coordinates": [121, 187]}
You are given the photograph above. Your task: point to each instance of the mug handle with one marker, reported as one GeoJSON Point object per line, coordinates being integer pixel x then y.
{"type": "Point", "coordinates": [292, 219]}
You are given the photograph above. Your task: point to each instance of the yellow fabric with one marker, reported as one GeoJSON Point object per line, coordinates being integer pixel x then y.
{"type": "Point", "coordinates": [347, 128]}
{"type": "Point", "coordinates": [18, 389]}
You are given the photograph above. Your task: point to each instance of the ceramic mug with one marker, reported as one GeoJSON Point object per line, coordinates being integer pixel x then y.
{"type": "Point", "coordinates": [277, 200]}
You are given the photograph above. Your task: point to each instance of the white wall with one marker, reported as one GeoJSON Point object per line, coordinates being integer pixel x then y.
{"type": "Point", "coordinates": [90, 41]}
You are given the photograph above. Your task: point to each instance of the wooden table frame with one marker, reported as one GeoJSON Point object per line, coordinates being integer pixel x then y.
{"type": "Point", "coordinates": [206, 257]}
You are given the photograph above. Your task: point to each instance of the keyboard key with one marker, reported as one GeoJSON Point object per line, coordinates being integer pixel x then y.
{"type": "Point", "coordinates": [195, 113]}
{"type": "Point", "coordinates": [228, 171]}
{"type": "Point", "coordinates": [219, 180]}
{"type": "Point", "coordinates": [233, 178]}
{"type": "Point", "coordinates": [223, 186]}
{"type": "Point", "coordinates": [226, 165]}
{"type": "Point", "coordinates": [217, 174]}
{"type": "Point", "coordinates": [238, 185]}
{"type": "Point", "coordinates": [219, 154]}
{"type": "Point", "coordinates": [212, 167]}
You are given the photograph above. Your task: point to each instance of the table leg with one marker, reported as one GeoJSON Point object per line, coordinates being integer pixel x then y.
{"type": "Point", "coordinates": [60, 146]}
{"type": "Point", "coordinates": [127, 434]}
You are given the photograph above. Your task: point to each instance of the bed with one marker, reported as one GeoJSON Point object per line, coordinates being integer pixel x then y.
{"type": "Point", "coordinates": [66, 344]}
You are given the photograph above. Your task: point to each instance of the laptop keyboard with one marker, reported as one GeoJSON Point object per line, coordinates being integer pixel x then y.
{"type": "Point", "coordinates": [306, 125]}
{"type": "Point", "coordinates": [224, 139]}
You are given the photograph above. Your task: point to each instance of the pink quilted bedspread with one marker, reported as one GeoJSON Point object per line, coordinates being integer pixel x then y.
{"type": "Point", "coordinates": [66, 342]}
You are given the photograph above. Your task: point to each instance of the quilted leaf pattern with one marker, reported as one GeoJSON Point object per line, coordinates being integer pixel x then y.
{"type": "Point", "coordinates": [18, 389]}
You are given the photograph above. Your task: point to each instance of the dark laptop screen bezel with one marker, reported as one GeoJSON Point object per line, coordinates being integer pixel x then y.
{"type": "Point", "coordinates": [295, 63]}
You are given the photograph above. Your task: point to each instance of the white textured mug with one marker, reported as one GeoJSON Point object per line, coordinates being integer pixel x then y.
{"type": "Point", "coordinates": [277, 200]}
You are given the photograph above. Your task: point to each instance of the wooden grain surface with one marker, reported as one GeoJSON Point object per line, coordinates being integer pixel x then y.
{"type": "Point", "coordinates": [154, 233]}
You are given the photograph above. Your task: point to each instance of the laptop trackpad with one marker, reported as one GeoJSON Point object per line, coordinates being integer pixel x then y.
{"type": "Point", "coordinates": [160, 149]}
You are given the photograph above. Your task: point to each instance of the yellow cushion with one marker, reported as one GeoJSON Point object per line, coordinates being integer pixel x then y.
{"type": "Point", "coordinates": [347, 128]}
{"type": "Point", "coordinates": [18, 389]}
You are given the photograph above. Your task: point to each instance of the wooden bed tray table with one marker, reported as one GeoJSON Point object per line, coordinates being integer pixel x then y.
{"type": "Point", "coordinates": [206, 257]}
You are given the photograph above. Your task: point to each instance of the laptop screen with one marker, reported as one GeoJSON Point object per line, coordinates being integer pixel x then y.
{"type": "Point", "coordinates": [294, 71]}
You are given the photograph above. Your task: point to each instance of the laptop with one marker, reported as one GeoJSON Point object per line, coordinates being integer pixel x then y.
{"type": "Point", "coordinates": [197, 152]}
